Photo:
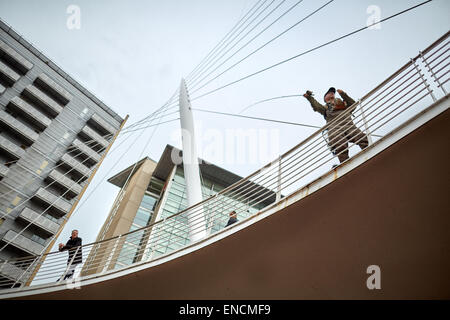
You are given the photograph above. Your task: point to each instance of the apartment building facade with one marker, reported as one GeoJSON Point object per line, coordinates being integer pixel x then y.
{"type": "Point", "coordinates": [53, 136]}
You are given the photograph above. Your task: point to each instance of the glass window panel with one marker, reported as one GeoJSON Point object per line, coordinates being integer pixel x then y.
{"type": "Point", "coordinates": [38, 239]}
{"type": "Point", "coordinates": [142, 217]}
{"type": "Point", "coordinates": [178, 180]}
{"type": "Point", "coordinates": [180, 192]}
{"type": "Point", "coordinates": [170, 209]}
{"type": "Point", "coordinates": [175, 197]}
{"type": "Point", "coordinates": [149, 202]}
{"type": "Point", "coordinates": [127, 254]}
{"type": "Point", "coordinates": [134, 227]}
{"type": "Point", "coordinates": [155, 185]}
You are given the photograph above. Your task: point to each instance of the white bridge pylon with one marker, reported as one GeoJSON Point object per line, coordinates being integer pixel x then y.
{"type": "Point", "coordinates": [196, 218]}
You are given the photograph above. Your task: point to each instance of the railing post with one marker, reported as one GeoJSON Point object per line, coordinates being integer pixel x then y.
{"type": "Point", "coordinates": [113, 251]}
{"type": "Point", "coordinates": [210, 216]}
{"type": "Point", "coordinates": [278, 197]}
{"type": "Point", "coordinates": [369, 135]}
{"type": "Point", "coordinates": [3, 265]}
{"type": "Point", "coordinates": [70, 263]}
{"type": "Point", "coordinates": [436, 79]}
{"type": "Point", "coordinates": [423, 80]}
{"type": "Point", "coordinates": [157, 237]}
{"type": "Point", "coordinates": [25, 272]}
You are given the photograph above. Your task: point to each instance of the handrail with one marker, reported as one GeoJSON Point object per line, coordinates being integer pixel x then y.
{"type": "Point", "coordinates": [380, 111]}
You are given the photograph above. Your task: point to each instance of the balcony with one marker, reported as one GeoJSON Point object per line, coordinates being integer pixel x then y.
{"type": "Point", "coordinates": [29, 112]}
{"type": "Point", "coordinates": [14, 58]}
{"type": "Point", "coordinates": [56, 202]}
{"type": "Point", "coordinates": [53, 89]}
{"type": "Point", "coordinates": [76, 166]}
{"type": "Point", "coordinates": [3, 170]}
{"type": "Point", "coordinates": [28, 135]}
{"type": "Point", "coordinates": [42, 100]}
{"type": "Point", "coordinates": [100, 143]}
{"type": "Point", "coordinates": [13, 150]}
{"type": "Point", "coordinates": [13, 272]}
{"type": "Point", "coordinates": [23, 243]}
{"type": "Point", "coordinates": [101, 125]}
{"type": "Point", "coordinates": [8, 74]}
{"type": "Point", "coordinates": [87, 152]}
{"type": "Point", "coordinates": [39, 221]}
{"type": "Point", "coordinates": [71, 187]}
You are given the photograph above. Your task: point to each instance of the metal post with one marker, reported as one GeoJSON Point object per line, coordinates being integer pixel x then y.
{"type": "Point", "coordinates": [157, 243]}
{"type": "Point", "coordinates": [278, 197]}
{"type": "Point", "coordinates": [197, 225]}
{"type": "Point", "coordinates": [113, 251]}
{"type": "Point", "coordinates": [70, 263]}
{"type": "Point", "coordinates": [3, 265]}
{"type": "Point", "coordinates": [423, 80]}
{"type": "Point", "coordinates": [369, 135]}
{"type": "Point", "coordinates": [211, 218]}
{"type": "Point", "coordinates": [25, 272]}
{"type": "Point", "coordinates": [432, 73]}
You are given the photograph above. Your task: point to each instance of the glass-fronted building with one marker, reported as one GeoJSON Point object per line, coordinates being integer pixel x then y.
{"type": "Point", "coordinates": [130, 251]}
{"type": "Point", "coordinates": [152, 203]}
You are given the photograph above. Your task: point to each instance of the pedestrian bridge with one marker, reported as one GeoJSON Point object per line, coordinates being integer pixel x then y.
{"type": "Point", "coordinates": [386, 206]}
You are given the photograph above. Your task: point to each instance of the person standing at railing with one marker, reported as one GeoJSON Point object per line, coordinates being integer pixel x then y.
{"type": "Point", "coordinates": [73, 245]}
{"type": "Point", "coordinates": [233, 218]}
{"type": "Point", "coordinates": [343, 130]}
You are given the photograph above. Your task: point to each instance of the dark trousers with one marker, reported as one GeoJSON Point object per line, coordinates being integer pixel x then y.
{"type": "Point", "coordinates": [338, 141]}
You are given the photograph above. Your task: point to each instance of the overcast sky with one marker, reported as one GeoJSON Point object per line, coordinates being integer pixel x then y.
{"type": "Point", "coordinates": [133, 54]}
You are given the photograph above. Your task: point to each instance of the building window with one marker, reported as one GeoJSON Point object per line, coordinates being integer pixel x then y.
{"type": "Point", "coordinates": [176, 233]}
{"type": "Point", "coordinates": [50, 217]}
{"type": "Point", "coordinates": [128, 253]}
{"type": "Point", "coordinates": [38, 239]}
{"type": "Point", "coordinates": [134, 244]}
{"type": "Point", "coordinates": [155, 186]}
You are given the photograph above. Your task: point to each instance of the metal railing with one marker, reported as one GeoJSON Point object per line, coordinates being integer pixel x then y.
{"type": "Point", "coordinates": [379, 112]}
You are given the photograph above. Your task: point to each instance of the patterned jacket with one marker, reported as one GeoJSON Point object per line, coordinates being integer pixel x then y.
{"type": "Point", "coordinates": [330, 112]}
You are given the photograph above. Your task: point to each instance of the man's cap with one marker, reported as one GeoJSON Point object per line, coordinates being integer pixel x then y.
{"type": "Point", "coordinates": [332, 89]}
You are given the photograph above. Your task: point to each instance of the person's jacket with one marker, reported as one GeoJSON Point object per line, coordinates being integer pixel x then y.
{"type": "Point", "coordinates": [231, 221]}
{"type": "Point", "coordinates": [330, 113]}
{"type": "Point", "coordinates": [71, 246]}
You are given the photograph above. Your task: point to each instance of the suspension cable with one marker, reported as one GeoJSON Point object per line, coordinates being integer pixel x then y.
{"type": "Point", "coordinates": [245, 45]}
{"type": "Point", "coordinates": [227, 43]}
{"type": "Point", "coordinates": [196, 80]}
{"type": "Point", "coordinates": [310, 50]}
{"type": "Point", "coordinates": [220, 42]}
{"type": "Point", "coordinates": [256, 118]}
